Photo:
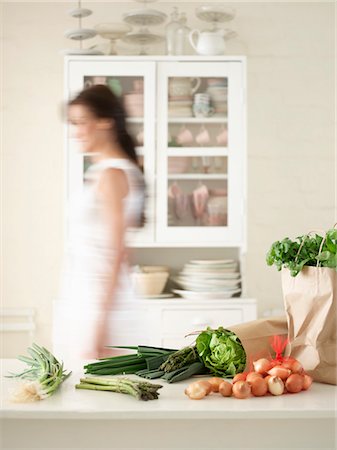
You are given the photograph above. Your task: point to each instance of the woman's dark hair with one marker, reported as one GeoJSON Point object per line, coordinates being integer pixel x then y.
{"type": "Point", "coordinates": [104, 104]}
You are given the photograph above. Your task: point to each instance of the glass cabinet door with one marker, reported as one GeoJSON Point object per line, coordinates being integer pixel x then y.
{"type": "Point", "coordinates": [200, 152]}
{"type": "Point", "coordinates": [134, 84]}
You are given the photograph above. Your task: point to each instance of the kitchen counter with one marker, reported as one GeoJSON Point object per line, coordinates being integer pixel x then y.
{"type": "Point", "coordinates": [109, 420]}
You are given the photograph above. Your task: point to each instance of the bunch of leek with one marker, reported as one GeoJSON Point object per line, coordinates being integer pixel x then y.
{"type": "Point", "coordinates": [42, 378]}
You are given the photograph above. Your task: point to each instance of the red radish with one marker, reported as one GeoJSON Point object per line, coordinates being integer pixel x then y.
{"type": "Point", "coordinates": [280, 372]}
{"type": "Point", "coordinates": [225, 389]}
{"type": "Point", "coordinates": [241, 389]}
{"type": "Point", "coordinates": [307, 381]}
{"type": "Point", "coordinates": [240, 377]}
{"type": "Point", "coordinates": [259, 387]}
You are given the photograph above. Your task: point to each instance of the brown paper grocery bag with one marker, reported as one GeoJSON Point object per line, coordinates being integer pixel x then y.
{"type": "Point", "coordinates": [310, 300]}
{"type": "Point", "coordinates": [256, 337]}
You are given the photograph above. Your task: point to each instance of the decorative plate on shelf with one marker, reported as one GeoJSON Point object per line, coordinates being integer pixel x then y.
{"type": "Point", "coordinates": [159, 296]}
{"type": "Point", "coordinates": [192, 295]}
{"type": "Point", "coordinates": [215, 13]}
{"type": "Point", "coordinates": [144, 17]}
{"type": "Point", "coordinates": [113, 30]}
{"type": "Point", "coordinates": [142, 37]}
{"type": "Point", "coordinates": [212, 261]}
{"type": "Point", "coordinates": [81, 51]}
{"type": "Point", "coordinates": [78, 13]}
{"type": "Point", "coordinates": [79, 34]}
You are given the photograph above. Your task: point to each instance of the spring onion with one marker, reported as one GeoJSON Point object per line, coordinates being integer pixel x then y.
{"type": "Point", "coordinates": [42, 378]}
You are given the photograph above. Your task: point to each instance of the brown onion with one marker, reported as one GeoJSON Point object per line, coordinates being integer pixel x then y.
{"type": "Point", "coordinates": [196, 391]}
{"type": "Point", "coordinates": [294, 383]}
{"type": "Point", "coordinates": [207, 385]}
{"type": "Point", "coordinates": [241, 389]}
{"type": "Point", "coordinates": [225, 389]}
{"type": "Point", "coordinates": [307, 381]}
{"type": "Point", "coordinates": [262, 365]}
{"type": "Point", "coordinates": [240, 377]}
{"type": "Point", "coordinates": [275, 385]}
{"type": "Point", "coordinates": [280, 372]}
{"type": "Point", "coordinates": [252, 375]}
{"type": "Point", "coordinates": [293, 365]}
{"type": "Point", "coordinates": [259, 387]}
{"type": "Point", "coordinates": [215, 383]}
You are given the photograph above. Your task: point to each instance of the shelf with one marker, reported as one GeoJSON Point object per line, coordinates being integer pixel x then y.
{"type": "Point", "coordinates": [197, 176]}
{"type": "Point", "coordinates": [198, 119]}
{"type": "Point", "coordinates": [197, 151]}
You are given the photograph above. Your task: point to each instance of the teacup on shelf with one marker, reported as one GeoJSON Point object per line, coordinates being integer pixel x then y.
{"type": "Point", "coordinates": [222, 137]}
{"type": "Point", "coordinates": [184, 137]}
{"type": "Point", "coordinates": [203, 138]}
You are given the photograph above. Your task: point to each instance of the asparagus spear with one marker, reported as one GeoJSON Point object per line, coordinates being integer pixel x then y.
{"type": "Point", "coordinates": [141, 390]}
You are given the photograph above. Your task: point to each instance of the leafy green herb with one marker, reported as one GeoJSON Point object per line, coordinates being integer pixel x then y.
{"type": "Point", "coordinates": [221, 352]}
{"type": "Point", "coordinates": [304, 251]}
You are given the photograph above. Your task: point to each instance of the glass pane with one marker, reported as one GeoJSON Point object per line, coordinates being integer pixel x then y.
{"type": "Point", "coordinates": [197, 112]}
{"type": "Point", "coordinates": [197, 135]}
{"type": "Point", "coordinates": [130, 89]}
{"type": "Point", "coordinates": [197, 191]}
{"type": "Point", "coordinates": [197, 97]}
{"type": "Point", "coordinates": [210, 165]}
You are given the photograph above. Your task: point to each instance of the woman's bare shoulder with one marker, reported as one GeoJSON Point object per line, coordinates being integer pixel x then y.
{"type": "Point", "coordinates": [113, 183]}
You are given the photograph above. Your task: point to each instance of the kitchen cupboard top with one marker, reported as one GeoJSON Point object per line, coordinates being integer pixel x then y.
{"type": "Point", "coordinates": [155, 58]}
{"type": "Point", "coordinates": [69, 403]}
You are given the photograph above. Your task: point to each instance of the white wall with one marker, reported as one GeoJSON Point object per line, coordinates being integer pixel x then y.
{"type": "Point", "coordinates": [291, 161]}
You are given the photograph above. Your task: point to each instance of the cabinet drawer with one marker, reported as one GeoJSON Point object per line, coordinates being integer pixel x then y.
{"type": "Point", "coordinates": [180, 321]}
{"type": "Point", "coordinates": [177, 342]}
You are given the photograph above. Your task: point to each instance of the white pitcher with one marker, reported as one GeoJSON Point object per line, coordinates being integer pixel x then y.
{"type": "Point", "coordinates": [208, 42]}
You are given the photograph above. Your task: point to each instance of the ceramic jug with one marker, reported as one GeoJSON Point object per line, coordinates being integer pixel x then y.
{"type": "Point", "coordinates": [208, 42]}
{"type": "Point", "coordinates": [183, 86]}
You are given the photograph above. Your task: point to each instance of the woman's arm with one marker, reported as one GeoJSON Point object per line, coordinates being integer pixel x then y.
{"type": "Point", "coordinates": [112, 188]}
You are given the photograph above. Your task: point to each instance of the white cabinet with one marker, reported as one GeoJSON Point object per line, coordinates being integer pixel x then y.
{"type": "Point", "coordinates": [169, 322]}
{"type": "Point", "coordinates": [188, 115]}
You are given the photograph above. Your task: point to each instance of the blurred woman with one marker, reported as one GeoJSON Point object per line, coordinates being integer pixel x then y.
{"type": "Point", "coordinates": [96, 280]}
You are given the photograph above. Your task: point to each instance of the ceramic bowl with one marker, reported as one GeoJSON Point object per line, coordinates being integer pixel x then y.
{"type": "Point", "coordinates": [152, 283]}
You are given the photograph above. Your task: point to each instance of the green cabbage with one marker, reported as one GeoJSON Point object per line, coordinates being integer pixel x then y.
{"type": "Point", "coordinates": [221, 352]}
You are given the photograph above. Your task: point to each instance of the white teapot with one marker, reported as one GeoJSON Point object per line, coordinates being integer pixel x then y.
{"type": "Point", "coordinates": [208, 42]}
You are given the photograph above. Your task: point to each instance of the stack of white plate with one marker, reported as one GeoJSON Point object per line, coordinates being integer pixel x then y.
{"type": "Point", "coordinates": [210, 279]}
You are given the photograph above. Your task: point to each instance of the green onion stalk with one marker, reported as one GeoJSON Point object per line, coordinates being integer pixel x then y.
{"type": "Point", "coordinates": [43, 377]}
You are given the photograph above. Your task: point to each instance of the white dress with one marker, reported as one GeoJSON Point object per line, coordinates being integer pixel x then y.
{"type": "Point", "coordinates": [88, 260]}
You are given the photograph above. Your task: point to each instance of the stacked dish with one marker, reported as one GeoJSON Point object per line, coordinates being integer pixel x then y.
{"type": "Point", "coordinates": [209, 279]}
{"type": "Point", "coordinates": [217, 89]}
{"type": "Point", "coordinates": [180, 106]}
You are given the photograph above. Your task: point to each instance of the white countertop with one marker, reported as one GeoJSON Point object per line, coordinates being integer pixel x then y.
{"type": "Point", "coordinates": [71, 403]}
